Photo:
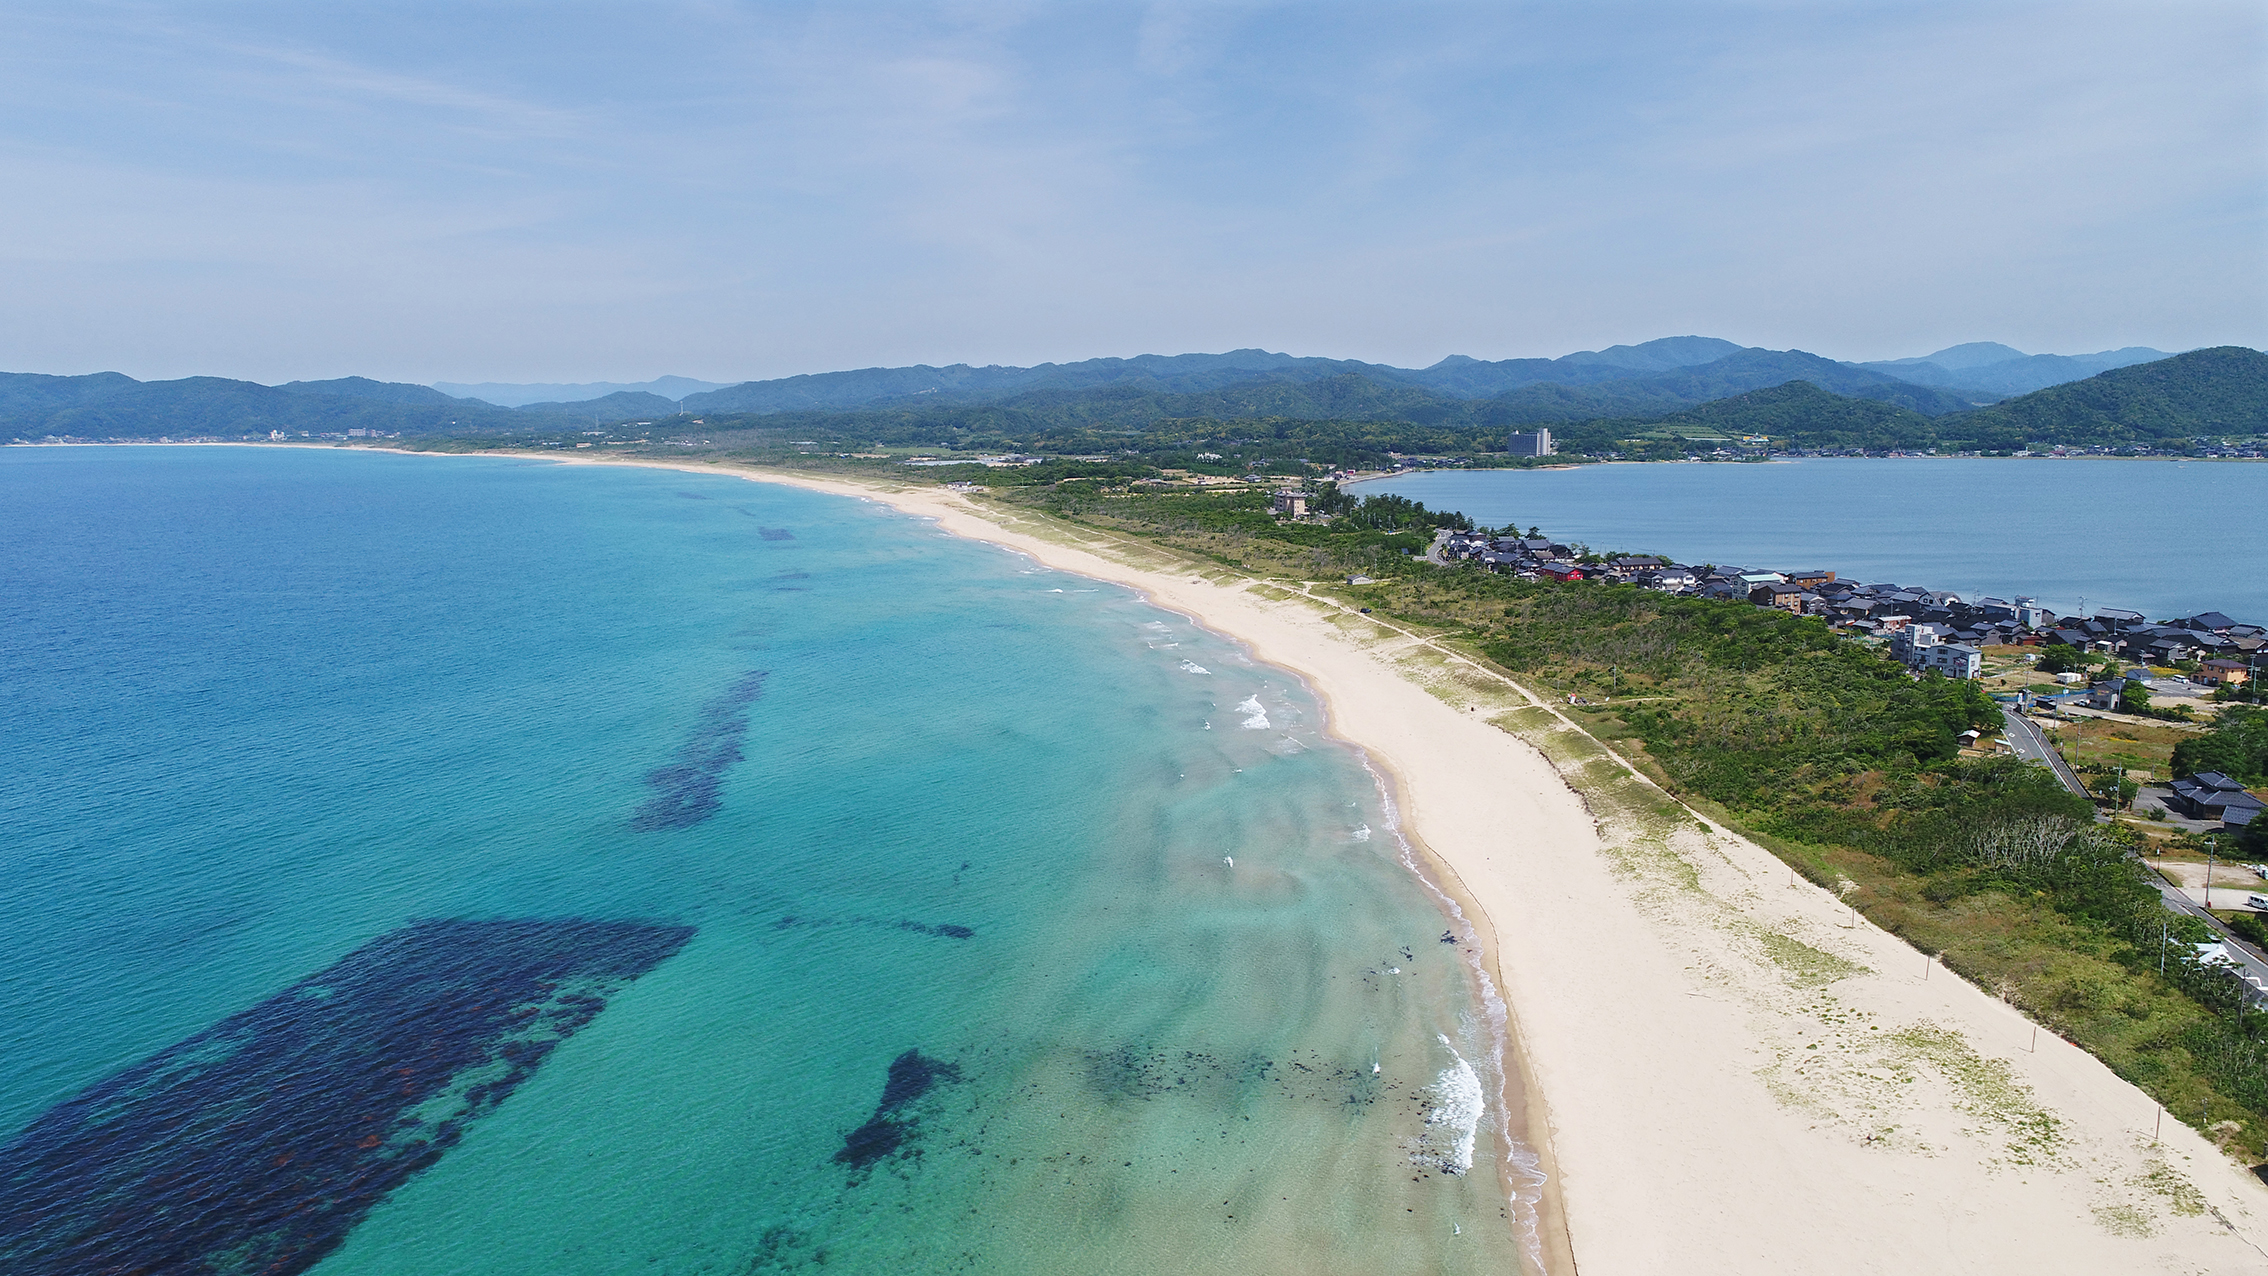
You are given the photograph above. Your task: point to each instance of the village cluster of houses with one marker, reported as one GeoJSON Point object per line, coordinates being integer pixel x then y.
{"type": "Point", "coordinates": [2223, 648]}
{"type": "Point", "coordinates": [1927, 629]}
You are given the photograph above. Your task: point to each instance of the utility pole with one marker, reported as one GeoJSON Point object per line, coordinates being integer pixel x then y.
{"type": "Point", "coordinates": [2212, 848]}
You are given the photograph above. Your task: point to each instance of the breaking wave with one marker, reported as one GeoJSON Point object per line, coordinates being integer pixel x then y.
{"type": "Point", "coordinates": [1457, 1109]}
{"type": "Point", "coordinates": [1255, 716]}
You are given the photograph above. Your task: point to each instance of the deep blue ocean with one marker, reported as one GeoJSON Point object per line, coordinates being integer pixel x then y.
{"type": "Point", "coordinates": [2164, 537]}
{"type": "Point", "coordinates": [443, 865]}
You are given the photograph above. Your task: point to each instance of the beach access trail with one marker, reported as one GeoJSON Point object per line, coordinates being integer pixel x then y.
{"type": "Point", "coordinates": [1722, 1068]}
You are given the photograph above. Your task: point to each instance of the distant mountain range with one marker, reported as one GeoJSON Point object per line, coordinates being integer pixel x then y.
{"type": "Point", "coordinates": [107, 405]}
{"type": "Point", "coordinates": [2218, 391]}
{"type": "Point", "coordinates": [1989, 370]}
{"type": "Point", "coordinates": [514, 395]}
{"type": "Point", "coordinates": [1978, 372]}
{"type": "Point", "coordinates": [1677, 382]}
{"type": "Point", "coordinates": [1656, 375]}
{"type": "Point", "coordinates": [2211, 393]}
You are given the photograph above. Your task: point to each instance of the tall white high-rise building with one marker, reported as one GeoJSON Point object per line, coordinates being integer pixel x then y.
{"type": "Point", "coordinates": [1537, 444]}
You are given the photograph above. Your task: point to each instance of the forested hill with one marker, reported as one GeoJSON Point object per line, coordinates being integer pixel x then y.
{"type": "Point", "coordinates": [110, 405]}
{"type": "Point", "coordinates": [2209, 393]}
{"type": "Point", "coordinates": [2205, 394]}
{"type": "Point", "coordinates": [1655, 376]}
{"type": "Point", "coordinates": [1797, 414]}
{"type": "Point", "coordinates": [1736, 373]}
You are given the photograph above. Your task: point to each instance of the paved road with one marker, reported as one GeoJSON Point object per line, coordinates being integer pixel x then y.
{"type": "Point", "coordinates": [2255, 965]}
{"type": "Point", "coordinates": [2031, 746]}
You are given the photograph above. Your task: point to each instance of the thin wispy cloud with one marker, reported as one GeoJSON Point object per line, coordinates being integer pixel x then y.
{"type": "Point", "coordinates": [469, 192]}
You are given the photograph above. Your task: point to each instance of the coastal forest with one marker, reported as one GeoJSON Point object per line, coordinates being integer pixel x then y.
{"type": "Point", "coordinates": [1822, 750]}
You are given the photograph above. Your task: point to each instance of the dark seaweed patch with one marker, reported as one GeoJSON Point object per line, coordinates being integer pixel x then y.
{"type": "Point", "coordinates": [693, 496]}
{"type": "Point", "coordinates": [791, 575]}
{"type": "Point", "coordinates": [1137, 1073]}
{"type": "Point", "coordinates": [258, 1144]}
{"type": "Point", "coordinates": [768, 533]}
{"type": "Point", "coordinates": [685, 791]}
{"type": "Point", "coordinates": [912, 1075]}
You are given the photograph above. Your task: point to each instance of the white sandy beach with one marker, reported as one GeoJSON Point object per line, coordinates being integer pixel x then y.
{"type": "Point", "coordinates": [1726, 1072]}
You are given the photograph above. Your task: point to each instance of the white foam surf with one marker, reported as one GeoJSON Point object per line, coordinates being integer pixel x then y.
{"type": "Point", "coordinates": [1255, 714]}
{"type": "Point", "coordinates": [1458, 1107]}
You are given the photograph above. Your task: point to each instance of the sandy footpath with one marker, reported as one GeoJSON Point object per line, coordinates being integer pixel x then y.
{"type": "Point", "coordinates": [1725, 1071]}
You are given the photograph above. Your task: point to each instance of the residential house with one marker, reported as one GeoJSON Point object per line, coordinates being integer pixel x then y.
{"type": "Point", "coordinates": [2158, 648]}
{"type": "Point", "coordinates": [1632, 565]}
{"type": "Point", "coordinates": [2212, 622]}
{"type": "Point", "coordinates": [1907, 642]}
{"type": "Point", "coordinates": [1784, 595]}
{"type": "Point", "coordinates": [1953, 659]}
{"type": "Point", "coordinates": [1672, 578]}
{"type": "Point", "coordinates": [2210, 795]}
{"type": "Point", "coordinates": [2228, 673]}
{"type": "Point", "coordinates": [1810, 579]}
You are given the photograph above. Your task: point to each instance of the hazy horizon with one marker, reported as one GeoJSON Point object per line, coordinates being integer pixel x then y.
{"type": "Point", "coordinates": [721, 192]}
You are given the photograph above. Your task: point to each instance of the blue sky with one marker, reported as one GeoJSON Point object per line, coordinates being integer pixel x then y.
{"type": "Point", "coordinates": [551, 191]}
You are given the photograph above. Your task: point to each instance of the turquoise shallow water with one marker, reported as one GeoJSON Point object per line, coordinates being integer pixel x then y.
{"type": "Point", "coordinates": [916, 798]}
{"type": "Point", "coordinates": [2170, 538]}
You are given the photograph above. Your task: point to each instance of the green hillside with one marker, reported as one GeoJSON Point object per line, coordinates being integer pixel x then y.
{"type": "Point", "coordinates": [2222, 391]}
{"type": "Point", "coordinates": [1797, 414]}
{"type": "Point", "coordinates": [1740, 373]}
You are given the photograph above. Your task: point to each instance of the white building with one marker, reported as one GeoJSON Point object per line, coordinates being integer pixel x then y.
{"type": "Point", "coordinates": [1911, 642]}
{"type": "Point", "coordinates": [1954, 660]}
{"type": "Point", "coordinates": [1537, 444]}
